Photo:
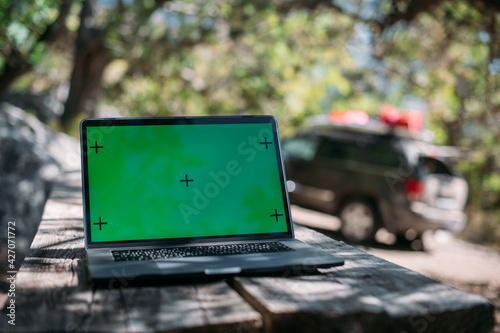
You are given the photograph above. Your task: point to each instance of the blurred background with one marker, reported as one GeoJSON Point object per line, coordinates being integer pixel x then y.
{"type": "Point", "coordinates": [65, 60]}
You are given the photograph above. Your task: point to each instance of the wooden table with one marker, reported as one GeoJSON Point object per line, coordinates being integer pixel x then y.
{"type": "Point", "coordinates": [367, 294]}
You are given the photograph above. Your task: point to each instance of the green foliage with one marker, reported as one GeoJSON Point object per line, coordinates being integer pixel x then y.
{"type": "Point", "coordinates": [17, 33]}
{"type": "Point", "coordinates": [288, 66]}
{"type": "Point", "coordinates": [22, 23]}
{"type": "Point", "coordinates": [455, 47]}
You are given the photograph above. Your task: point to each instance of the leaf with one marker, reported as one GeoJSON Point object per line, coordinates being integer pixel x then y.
{"type": "Point", "coordinates": [17, 33]}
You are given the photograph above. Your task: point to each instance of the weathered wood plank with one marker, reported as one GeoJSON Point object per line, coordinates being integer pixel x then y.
{"type": "Point", "coordinates": [212, 307]}
{"type": "Point", "coordinates": [367, 294]}
{"type": "Point", "coordinates": [54, 292]}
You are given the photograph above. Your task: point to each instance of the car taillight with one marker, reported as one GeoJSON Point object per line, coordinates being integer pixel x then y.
{"type": "Point", "coordinates": [414, 189]}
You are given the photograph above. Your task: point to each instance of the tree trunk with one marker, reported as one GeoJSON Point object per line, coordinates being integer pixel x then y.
{"type": "Point", "coordinates": [14, 67]}
{"type": "Point", "coordinates": [91, 58]}
{"type": "Point", "coordinates": [86, 82]}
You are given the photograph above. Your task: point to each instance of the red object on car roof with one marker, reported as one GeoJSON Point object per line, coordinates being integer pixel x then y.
{"type": "Point", "coordinates": [352, 117]}
{"type": "Point", "coordinates": [412, 120]}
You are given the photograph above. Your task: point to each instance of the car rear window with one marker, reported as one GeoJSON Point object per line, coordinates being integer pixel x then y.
{"type": "Point", "coordinates": [378, 153]}
{"type": "Point", "coordinates": [429, 165]}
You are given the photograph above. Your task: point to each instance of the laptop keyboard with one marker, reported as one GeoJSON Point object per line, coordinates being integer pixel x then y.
{"type": "Point", "coordinates": [196, 251]}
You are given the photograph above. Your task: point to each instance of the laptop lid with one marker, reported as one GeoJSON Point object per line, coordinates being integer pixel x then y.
{"type": "Point", "coordinates": [157, 181]}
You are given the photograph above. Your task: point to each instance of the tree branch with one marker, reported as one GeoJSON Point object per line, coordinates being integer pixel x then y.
{"type": "Point", "coordinates": [415, 8]}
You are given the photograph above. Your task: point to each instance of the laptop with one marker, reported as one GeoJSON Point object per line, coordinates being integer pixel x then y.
{"type": "Point", "coordinates": [188, 197]}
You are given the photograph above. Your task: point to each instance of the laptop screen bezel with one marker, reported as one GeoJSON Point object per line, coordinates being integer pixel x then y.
{"type": "Point", "coordinates": [107, 122]}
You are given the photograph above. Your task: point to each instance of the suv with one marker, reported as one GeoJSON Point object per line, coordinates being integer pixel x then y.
{"type": "Point", "coordinates": [373, 178]}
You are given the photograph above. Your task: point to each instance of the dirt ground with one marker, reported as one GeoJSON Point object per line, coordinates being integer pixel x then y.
{"type": "Point", "coordinates": [455, 262]}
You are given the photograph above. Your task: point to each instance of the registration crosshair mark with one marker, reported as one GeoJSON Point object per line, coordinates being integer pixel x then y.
{"type": "Point", "coordinates": [276, 214]}
{"type": "Point", "coordinates": [96, 147]}
{"type": "Point", "coordinates": [100, 223]}
{"type": "Point", "coordinates": [266, 142]}
{"type": "Point", "coordinates": [186, 180]}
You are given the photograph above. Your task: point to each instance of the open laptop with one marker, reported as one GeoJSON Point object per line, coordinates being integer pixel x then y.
{"type": "Point", "coordinates": [188, 197]}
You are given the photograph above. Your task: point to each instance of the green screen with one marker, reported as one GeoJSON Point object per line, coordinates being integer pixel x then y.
{"type": "Point", "coordinates": [176, 181]}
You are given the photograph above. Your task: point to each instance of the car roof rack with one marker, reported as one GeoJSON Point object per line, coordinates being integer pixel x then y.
{"type": "Point", "coordinates": [359, 121]}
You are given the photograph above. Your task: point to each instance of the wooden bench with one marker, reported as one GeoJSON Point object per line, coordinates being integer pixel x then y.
{"type": "Point", "coordinates": [367, 294]}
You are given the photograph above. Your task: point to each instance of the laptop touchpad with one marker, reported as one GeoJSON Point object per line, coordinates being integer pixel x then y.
{"type": "Point", "coordinates": [215, 264]}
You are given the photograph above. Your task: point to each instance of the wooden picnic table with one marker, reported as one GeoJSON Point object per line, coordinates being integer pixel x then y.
{"type": "Point", "coordinates": [367, 294]}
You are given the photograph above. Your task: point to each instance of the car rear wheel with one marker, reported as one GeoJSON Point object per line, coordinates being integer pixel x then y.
{"type": "Point", "coordinates": [358, 221]}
